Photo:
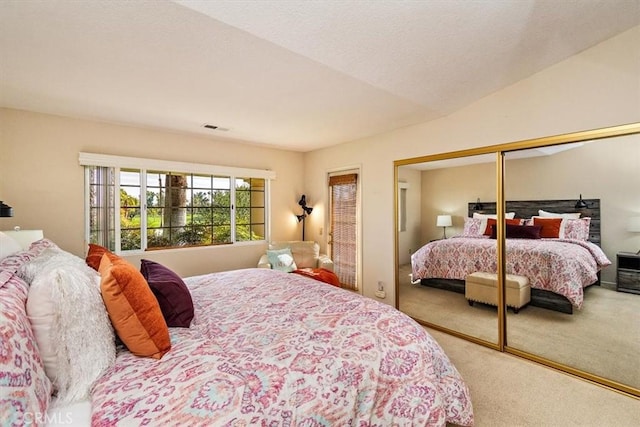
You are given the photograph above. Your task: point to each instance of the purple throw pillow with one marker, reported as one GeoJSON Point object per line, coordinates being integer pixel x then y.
{"type": "Point", "coordinates": [171, 292]}
{"type": "Point", "coordinates": [519, 231]}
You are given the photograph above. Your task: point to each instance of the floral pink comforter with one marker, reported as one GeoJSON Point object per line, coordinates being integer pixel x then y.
{"type": "Point", "coordinates": [561, 266]}
{"type": "Point", "coordinates": [275, 349]}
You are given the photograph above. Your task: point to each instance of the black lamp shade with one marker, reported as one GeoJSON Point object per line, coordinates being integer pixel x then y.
{"type": "Point", "coordinates": [306, 209]}
{"type": "Point", "coordinates": [581, 204]}
{"type": "Point", "coordinates": [5, 210]}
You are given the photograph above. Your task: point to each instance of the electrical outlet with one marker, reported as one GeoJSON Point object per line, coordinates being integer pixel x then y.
{"type": "Point", "coordinates": [320, 231]}
{"type": "Point", "coordinates": [380, 285]}
{"type": "Point", "coordinates": [381, 294]}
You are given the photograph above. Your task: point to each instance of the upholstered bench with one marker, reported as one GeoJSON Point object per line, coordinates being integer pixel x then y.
{"type": "Point", "coordinates": [481, 287]}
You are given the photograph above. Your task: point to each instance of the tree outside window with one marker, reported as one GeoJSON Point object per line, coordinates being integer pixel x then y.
{"type": "Point", "coordinates": [178, 209]}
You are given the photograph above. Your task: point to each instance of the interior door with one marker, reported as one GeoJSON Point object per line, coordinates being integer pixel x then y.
{"type": "Point", "coordinates": [343, 227]}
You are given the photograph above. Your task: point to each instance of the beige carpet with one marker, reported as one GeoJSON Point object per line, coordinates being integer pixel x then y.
{"type": "Point", "coordinates": [603, 338]}
{"type": "Point", "coordinates": [510, 391]}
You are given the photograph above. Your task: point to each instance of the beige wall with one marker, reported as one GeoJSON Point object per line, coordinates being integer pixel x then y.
{"type": "Point", "coordinates": [41, 179]}
{"type": "Point", "coordinates": [596, 88]}
{"type": "Point", "coordinates": [449, 190]}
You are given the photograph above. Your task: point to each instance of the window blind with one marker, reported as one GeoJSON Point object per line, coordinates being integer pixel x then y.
{"type": "Point", "coordinates": [343, 227]}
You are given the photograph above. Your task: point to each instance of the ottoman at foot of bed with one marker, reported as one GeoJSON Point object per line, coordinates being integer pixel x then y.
{"type": "Point", "coordinates": [481, 287]}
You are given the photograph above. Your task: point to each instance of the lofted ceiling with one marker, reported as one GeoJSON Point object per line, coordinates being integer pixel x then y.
{"type": "Point", "coordinates": [291, 74]}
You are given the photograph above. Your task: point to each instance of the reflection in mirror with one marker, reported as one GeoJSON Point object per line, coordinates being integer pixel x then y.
{"type": "Point", "coordinates": [431, 254]}
{"type": "Point", "coordinates": [587, 256]}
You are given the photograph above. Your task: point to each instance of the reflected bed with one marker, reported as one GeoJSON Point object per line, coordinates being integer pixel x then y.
{"type": "Point", "coordinates": [558, 269]}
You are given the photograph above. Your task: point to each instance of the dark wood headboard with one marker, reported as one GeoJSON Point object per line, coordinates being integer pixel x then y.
{"type": "Point", "coordinates": [529, 208]}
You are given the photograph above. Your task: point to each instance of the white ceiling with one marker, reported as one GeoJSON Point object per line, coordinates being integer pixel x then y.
{"type": "Point", "coordinates": [292, 74]}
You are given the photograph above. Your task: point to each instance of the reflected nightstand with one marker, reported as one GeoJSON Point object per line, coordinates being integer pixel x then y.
{"type": "Point", "coordinates": [628, 273]}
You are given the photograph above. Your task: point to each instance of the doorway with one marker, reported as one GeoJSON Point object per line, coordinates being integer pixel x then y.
{"type": "Point", "coordinates": [344, 212]}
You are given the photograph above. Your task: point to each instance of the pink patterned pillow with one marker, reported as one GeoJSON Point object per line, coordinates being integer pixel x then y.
{"type": "Point", "coordinates": [577, 229]}
{"type": "Point", "coordinates": [25, 389]}
{"type": "Point", "coordinates": [13, 262]}
{"type": "Point", "coordinates": [472, 227]}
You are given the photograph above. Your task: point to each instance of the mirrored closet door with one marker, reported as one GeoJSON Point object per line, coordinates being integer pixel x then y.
{"type": "Point", "coordinates": [580, 314]}
{"type": "Point", "coordinates": [594, 189]}
{"type": "Point", "coordinates": [434, 198]}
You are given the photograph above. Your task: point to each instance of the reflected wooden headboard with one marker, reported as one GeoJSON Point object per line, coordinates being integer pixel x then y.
{"type": "Point", "coordinates": [529, 208]}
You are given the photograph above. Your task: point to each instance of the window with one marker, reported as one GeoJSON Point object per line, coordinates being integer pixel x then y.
{"type": "Point", "coordinates": [402, 206]}
{"type": "Point", "coordinates": [175, 205]}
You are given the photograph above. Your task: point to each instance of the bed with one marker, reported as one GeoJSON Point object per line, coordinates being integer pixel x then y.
{"type": "Point", "coordinates": [262, 347]}
{"type": "Point", "coordinates": [559, 269]}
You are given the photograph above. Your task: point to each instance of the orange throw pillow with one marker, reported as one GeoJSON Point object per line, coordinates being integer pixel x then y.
{"type": "Point", "coordinates": [94, 255]}
{"type": "Point", "coordinates": [320, 274]}
{"type": "Point", "coordinates": [132, 307]}
{"type": "Point", "coordinates": [491, 222]}
{"type": "Point", "coordinates": [550, 227]}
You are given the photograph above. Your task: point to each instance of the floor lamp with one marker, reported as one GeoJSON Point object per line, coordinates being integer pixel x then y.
{"type": "Point", "coordinates": [306, 210]}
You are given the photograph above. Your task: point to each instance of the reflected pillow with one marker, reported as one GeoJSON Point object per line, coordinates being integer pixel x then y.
{"type": "Point", "coordinates": [577, 229]}
{"type": "Point", "coordinates": [282, 260]}
{"type": "Point", "coordinates": [485, 217]}
{"type": "Point", "coordinates": [171, 292]}
{"type": "Point", "coordinates": [568, 215]}
{"type": "Point", "coordinates": [518, 231]}
{"type": "Point", "coordinates": [508, 215]}
{"type": "Point", "coordinates": [472, 227]}
{"type": "Point", "coordinates": [551, 227]}
{"type": "Point", "coordinates": [491, 222]}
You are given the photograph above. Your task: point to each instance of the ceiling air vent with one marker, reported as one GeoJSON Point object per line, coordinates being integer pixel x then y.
{"type": "Point", "coordinates": [214, 127]}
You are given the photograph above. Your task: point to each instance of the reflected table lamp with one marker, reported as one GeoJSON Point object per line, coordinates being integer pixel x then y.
{"type": "Point", "coordinates": [634, 227]}
{"type": "Point", "coordinates": [444, 221]}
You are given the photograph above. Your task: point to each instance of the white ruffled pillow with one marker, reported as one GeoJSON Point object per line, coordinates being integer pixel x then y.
{"type": "Point", "coordinates": [69, 321]}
